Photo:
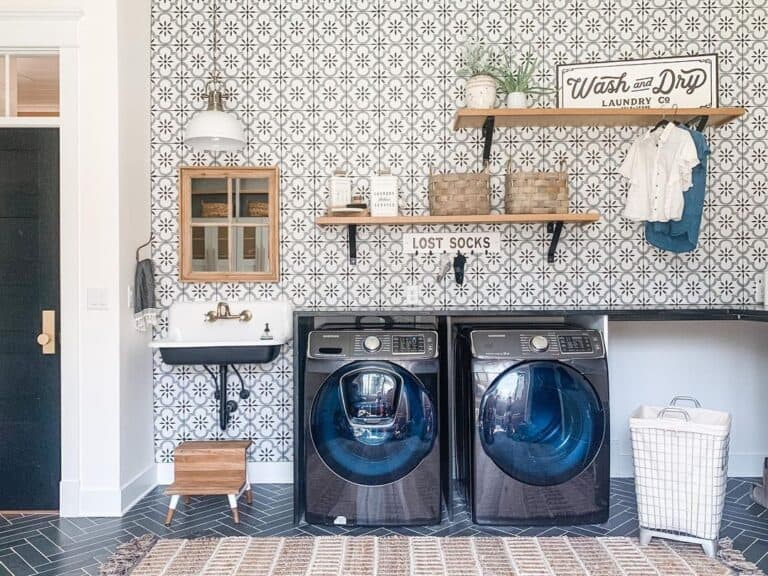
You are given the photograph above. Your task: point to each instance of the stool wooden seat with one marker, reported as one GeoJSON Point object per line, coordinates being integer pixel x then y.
{"type": "Point", "coordinates": [204, 468]}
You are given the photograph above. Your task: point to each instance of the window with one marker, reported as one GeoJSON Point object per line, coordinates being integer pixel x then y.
{"type": "Point", "coordinates": [29, 84]}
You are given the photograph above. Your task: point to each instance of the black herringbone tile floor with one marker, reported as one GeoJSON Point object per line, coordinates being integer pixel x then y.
{"type": "Point", "coordinates": [63, 546]}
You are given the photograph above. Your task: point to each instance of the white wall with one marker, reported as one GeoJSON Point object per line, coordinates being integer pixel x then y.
{"type": "Point", "coordinates": [723, 364]}
{"type": "Point", "coordinates": [137, 468]}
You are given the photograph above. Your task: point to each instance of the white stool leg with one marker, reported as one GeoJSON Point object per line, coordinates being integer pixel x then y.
{"type": "Point", "coordinates": [233, 505]}
{"type": "Point", "coordinates": [171, 509]}
{"type": "Point", "coordinates": [248, 491]}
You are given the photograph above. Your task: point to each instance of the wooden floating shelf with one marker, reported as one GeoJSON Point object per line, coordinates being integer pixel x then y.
{"type": "Point", "coordinates": [554, 224]}
{"type": "Point", "coordinates": [476, 219]}
{"type": "Point", "coordinates": [507, 117]}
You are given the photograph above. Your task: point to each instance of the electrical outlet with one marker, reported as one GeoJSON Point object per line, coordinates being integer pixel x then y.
{"type": "Point", "coordinates": [411, 295]}
{"type": "Point", "coordinates": [758, 290]}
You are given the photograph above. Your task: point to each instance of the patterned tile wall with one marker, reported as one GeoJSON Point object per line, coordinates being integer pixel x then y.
{"type": "Point", "coordinates": [367, 84]}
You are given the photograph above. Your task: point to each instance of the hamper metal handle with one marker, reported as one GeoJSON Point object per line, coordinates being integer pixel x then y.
{"type": "Point", "coordinates": [696, 403]}
{"type": "Point", "coordinates": [676, 411]}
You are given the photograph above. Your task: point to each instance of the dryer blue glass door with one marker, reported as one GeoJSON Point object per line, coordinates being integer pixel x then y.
{"type": "Point", "coordinates": [373, 422]}
{"type": "Point", "coordinates": [541, 422]}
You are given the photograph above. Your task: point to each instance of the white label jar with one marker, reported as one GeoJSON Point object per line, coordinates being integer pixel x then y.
{"type": "Point", "coordinates": [384, 195]}
{"type": "Point", "coordinates": [340, 190]}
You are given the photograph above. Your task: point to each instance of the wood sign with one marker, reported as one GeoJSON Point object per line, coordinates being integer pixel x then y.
{"type": "Point", "coordinates": [452, 242]}
{"type": "Point", "coordinates": [681, 82]}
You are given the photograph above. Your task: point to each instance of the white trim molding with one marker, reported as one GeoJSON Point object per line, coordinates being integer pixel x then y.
{"type": "Point", "coordinates": [42, 14]}
{"type": "Point", "coordinates": [138, 487]}
{"type": "Point", "coordinates": [39, 29]}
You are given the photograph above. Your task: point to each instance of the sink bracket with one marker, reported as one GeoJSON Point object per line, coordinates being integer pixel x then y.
{"type": "Point", "coordinates": [223, 408]}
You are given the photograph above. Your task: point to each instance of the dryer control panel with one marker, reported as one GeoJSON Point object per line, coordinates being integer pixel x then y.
{"type": "Point", "coordinates": [373, 344]}
{"type": "Point", "coordinates": [546, 344]}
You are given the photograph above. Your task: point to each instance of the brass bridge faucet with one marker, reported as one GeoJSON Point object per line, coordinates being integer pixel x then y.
{"type": "Point", "coordinates": [222, 313]}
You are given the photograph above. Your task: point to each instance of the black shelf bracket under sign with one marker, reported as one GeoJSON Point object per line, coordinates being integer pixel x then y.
{"type": "Point", "coordinates": [554, 228]}
{"type": "Point", "coordinates": [488, 138]}
{"type": "Point", "coordinates": [352, 243]}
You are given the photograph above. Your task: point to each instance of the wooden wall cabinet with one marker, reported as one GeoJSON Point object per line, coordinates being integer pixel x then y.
{"type": "Point", "coordinates": [229, 224]}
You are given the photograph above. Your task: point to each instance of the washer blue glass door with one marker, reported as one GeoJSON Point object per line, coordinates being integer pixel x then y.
{"type": "Point", "coordinates": [373, 422]}
{"type": "Point", "coordinates": [541, 422]}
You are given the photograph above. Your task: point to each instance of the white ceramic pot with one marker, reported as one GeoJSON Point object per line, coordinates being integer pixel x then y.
{"type": "Point", "coordinates": [517, 100]}
{"type": "Point", "coordinates": [481, 92]}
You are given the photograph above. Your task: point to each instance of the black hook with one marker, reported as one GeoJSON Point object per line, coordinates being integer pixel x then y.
{"type": "Point", "coordinates": [458, 267]}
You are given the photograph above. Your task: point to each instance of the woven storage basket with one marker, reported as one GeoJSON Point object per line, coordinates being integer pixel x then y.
{"type": "Point", "coordinates": [214, 209]}
{"type": "Point", "coordinates": [459, 194]}
{"type": "Point", "coordinates": [536, 192]}
{"type": "Point", "coordinates": [258, 209]}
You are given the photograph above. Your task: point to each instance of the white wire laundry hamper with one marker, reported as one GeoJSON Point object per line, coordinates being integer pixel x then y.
{"type": "Point", "coordinates": [681, 470]}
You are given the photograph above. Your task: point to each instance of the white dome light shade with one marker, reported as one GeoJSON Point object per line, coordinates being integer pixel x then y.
{"type": "Point", "coordinates": [215, 129]}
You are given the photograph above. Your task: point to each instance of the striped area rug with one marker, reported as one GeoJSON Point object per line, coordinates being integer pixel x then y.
{"type": "Point", "coordinates": [414, 556]}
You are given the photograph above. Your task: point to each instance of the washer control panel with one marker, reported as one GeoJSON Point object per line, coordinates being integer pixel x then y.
{"type": "Point", "coordinates": [374, 344]}
{"type": "Point", "coordinates": [545, 344]}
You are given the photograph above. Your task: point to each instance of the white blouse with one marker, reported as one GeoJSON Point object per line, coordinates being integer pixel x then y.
{"type": "Point", "coordinates": [659, 166]}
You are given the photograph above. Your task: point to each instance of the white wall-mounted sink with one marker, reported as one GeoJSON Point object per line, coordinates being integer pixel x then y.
{"type": "Point", "coordinates": [193, 340]}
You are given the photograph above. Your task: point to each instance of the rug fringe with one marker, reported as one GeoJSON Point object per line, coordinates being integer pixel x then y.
{"type": "Point", "coordinates": [735, 559]}
{"type": "Point", "coordinates": [127, 556]}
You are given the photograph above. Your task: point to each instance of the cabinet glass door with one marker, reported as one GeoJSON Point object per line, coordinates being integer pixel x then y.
{"type": "Point", "coordinates": [229, 224]}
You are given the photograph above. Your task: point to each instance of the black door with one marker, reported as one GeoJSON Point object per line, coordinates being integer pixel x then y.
{"type": "Point", "coordinates": [373, 422]}
{"type": "Point", "coordinates": [541, 422]}
{"type": "Point", "coordinates": [29, 283]}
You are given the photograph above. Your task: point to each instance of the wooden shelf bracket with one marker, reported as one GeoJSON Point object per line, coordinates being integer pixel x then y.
{"type": "Point", "coordinates": [554, 228]}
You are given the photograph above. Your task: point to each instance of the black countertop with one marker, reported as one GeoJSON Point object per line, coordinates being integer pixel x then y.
{"type": "Point", "coordinates": [624, 313]}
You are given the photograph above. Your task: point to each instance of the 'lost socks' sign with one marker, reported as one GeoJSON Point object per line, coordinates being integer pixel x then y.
{"type": "Point", "coordinates": [682, 82]}
{"type": "Point", "coordinates": [451, 242]}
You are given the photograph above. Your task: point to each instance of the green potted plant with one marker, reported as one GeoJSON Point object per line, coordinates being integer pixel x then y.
{"type": "Point", "coordinates": [515, 82]}
{"type": "Point", "coordinates": [479, 70]}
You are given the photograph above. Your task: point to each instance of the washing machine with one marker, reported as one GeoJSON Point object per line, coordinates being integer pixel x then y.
{"type": "Point", "coordinates": [372, 454]}
{"type": "Point", "coordinates": [538, 408]}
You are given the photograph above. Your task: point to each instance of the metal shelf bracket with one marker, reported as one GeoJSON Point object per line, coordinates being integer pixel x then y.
{"type": "Point", "coordinates": [352, 243]}
{"type": "Point", "coordinates": [488, 138]}
{"type": "Point", "coordinates": [554, 228]}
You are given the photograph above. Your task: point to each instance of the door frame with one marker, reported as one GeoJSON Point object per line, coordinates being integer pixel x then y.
{"type": "Point", "coordinates": [57, 30]}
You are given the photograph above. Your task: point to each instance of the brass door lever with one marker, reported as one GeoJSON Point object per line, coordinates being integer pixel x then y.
{"type": "Point", "coordinates": [47, 337]}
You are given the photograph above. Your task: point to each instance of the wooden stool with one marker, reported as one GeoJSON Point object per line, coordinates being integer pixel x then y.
{"type": "Point", "coordinates": [210, 467]}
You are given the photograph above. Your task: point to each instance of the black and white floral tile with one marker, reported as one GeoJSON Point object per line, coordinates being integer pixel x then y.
{"type": "Point", "coordinates": [371, 84]}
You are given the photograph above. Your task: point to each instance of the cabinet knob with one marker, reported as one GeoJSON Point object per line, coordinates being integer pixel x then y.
{"type": "Point", "coordinates": [43, 339]}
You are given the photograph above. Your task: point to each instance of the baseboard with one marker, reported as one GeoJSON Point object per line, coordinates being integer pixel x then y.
{"type": "Point", "coordinates": [69, 498]}
{"type": "Point", "coordinates": [258, 473]}
{"type": "Point", "coordinates": [739, 465]}
{"type": "Point", "coordinates": [100, 502]}
{"type": "Point", "coordinates": [138, 487]}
